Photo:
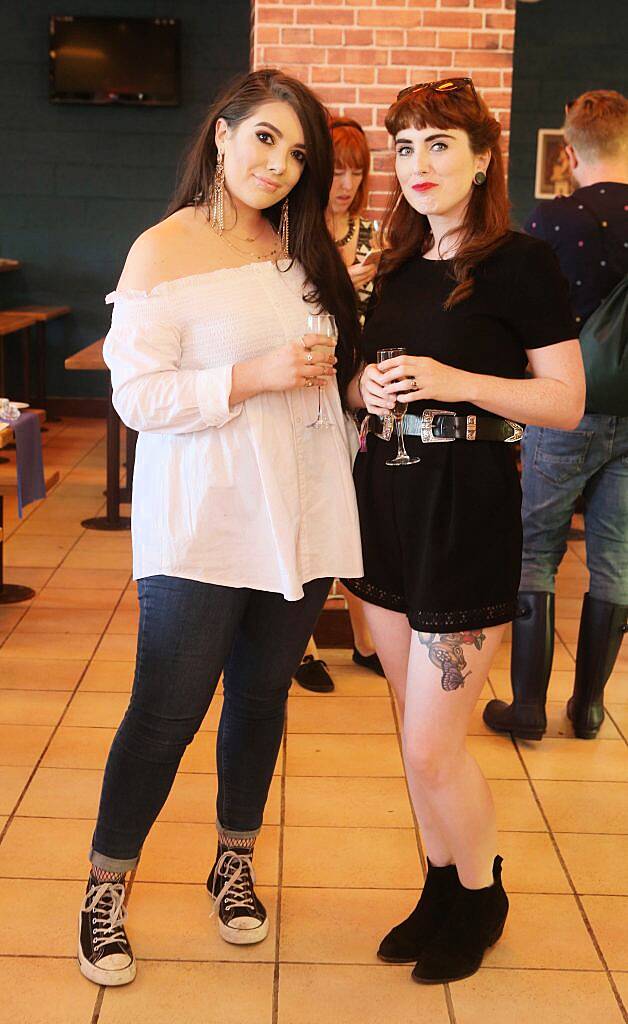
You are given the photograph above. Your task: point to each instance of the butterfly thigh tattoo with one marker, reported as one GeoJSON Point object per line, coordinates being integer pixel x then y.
{"type": "Point", "coordinates": [446, 651]}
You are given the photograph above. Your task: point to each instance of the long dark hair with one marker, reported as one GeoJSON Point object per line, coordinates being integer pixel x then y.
{"type": "Point", "coordinates": [486, 222]}
{"type": "Point", "coordinates": [311, 244]}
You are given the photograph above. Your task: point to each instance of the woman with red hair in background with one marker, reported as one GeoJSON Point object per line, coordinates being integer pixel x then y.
{"type": "Point", "coordinates": [355, 237]}
{"type": "Point", "coordinates": [471, 303]}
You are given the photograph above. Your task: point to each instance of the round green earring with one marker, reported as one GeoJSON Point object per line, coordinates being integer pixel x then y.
{"type": "Point", "coordinates": [479, 178]}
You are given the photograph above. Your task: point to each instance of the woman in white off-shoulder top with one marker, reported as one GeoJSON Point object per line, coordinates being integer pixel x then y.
{"type": "Point", "coordinates": [242, 515]}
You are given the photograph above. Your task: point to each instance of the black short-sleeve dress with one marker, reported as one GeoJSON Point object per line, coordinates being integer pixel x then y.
{"type": "Point", "coordinates": [442, 539]}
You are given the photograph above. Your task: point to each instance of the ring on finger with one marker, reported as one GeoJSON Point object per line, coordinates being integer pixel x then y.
{"type": "Point", "coordinates": [308, 383]}
{"type": "Point", "coordinates": [414, 383]}
{"type": "Point", "coordinates": [309, 357]}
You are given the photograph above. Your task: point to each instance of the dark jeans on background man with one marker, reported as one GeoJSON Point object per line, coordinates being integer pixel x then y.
{"type": "Point", "coordinates": [189, 633]}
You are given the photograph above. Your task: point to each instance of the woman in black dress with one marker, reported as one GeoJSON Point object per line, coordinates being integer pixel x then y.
{"type": "Point", "coordinates": [473, 303]}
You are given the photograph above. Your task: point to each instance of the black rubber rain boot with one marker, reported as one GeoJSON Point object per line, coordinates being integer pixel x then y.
{"type": "Point", "coordinates": [530, 669]}
{"type": "Point", "coordinates": [602, 627]}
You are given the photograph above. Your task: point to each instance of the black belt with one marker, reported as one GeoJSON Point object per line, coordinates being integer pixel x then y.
{"type": "Point", "coordinates": [436, 425]}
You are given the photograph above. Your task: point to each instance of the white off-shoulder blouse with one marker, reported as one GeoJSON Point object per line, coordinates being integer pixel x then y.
{"type": "Point", "coordinates": [246, 496]}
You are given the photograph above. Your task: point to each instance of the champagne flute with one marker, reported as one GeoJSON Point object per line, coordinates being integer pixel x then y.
{"type": "Point", "coordinates": [324, 325]}
{"type": "Point", "coordinates": [402, 458]}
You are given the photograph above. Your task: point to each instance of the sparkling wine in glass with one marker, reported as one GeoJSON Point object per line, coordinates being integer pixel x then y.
{"type": "Point", "coordinates": [402, 458]}
{"type": "Point", "coordinates": [324, 325]}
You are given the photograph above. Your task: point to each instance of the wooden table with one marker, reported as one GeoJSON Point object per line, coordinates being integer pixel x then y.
{"type": "Point", "coordinates": [91, 359]}
{"type": "Point", "coordinates": [17, 323]}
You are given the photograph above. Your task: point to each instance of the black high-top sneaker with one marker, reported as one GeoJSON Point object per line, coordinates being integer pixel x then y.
{"type": "Point", "coordinates": [104, 951]}
{"type": "Point", "coordinates": [242, 915]}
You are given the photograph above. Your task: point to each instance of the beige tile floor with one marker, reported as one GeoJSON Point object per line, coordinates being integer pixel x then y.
{"type": "Point", "coordinates": [339, 860]}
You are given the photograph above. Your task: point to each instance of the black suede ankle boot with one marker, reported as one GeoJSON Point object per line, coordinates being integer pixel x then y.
{"type": "Point", "coordinates": [405, 943]}
{"type": "Point", "coordinates": [530, 669]}
{"type": "Point", "coordinates": [475, 922]}
{"type": "Point", "coordinates": [602, 627]}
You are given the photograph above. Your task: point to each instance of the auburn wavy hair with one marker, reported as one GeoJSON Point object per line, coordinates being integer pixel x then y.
{"type": "Point", "coordinates": [311, 245]}
{"type": "Point", "coordinates": [352, 150]}
{"type": "Point", "coordinates": [486, 222]}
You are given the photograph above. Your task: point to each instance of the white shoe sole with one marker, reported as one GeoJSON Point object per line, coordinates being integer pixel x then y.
{"type": "Point", "coordinates": [243, 936]}
{"type": "Point", "coordinates": [100, 976]}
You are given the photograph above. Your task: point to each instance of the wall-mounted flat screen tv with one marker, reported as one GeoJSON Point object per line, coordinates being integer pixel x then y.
{"type": "Point", "coordinates": [125, 61]}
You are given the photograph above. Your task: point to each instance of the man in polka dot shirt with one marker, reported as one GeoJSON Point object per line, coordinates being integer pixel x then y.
{"type": "Point", "coordinates": [589, 234]}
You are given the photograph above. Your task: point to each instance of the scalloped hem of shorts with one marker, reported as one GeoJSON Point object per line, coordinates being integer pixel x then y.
{"type": "Point", "coordinates": [433, 621]}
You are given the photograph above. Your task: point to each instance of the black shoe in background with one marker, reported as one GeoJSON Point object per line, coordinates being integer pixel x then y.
{"type": "Point", "coordinates": [312, 675]}
{"type": "Point", "coordinates": [370, 661]}
{"type": "Point", "coordinates": [530, 670]}
{"type": "Point", "coordinates": [602, 628]}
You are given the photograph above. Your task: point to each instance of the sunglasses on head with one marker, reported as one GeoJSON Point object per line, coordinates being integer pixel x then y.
{"type": "Point", "coordinates": [443, 86]}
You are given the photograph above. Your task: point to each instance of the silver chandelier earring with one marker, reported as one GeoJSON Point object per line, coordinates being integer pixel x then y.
{"type": "Point", "coordinates": [479, 178]}
{"type": "Point", "coordinates": [284, 228]}
{"type": "Point", "coordinates": [218, 191]}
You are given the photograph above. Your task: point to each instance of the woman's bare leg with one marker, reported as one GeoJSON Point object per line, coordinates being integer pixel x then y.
{"type": "Point", "coordinates": [392, 635]}
{"type": "Point", "coordinates": [362, 640]}
{"type": "Point", "coordinates": [446, 673]}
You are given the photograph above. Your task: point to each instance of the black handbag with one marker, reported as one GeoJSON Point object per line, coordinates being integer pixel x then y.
{"type": "Point", "coordinates": [604, 344]}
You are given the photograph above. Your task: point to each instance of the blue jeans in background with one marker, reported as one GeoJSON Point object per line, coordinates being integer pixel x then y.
{"type": "Point", "coordinates": [558, 467]}
{"type": "Point", "coordinates": [189, 633]}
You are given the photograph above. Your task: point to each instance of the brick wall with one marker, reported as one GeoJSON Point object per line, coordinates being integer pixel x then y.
{"type": "Point", "coordinates": [357, 54]}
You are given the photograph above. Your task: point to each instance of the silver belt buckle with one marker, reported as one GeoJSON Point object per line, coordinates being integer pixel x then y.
{"type": "Point", "coordinates": [427, 425]}
{"type": "Point", "coordinates": [517, 432]}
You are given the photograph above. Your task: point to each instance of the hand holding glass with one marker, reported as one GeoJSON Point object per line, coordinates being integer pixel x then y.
{"type": "Point", "coordinates": [323, 325]}
{"type": "Point", "coordinates": [402, 458]}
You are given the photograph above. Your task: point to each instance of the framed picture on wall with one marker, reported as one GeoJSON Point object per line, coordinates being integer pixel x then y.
{"type": "Point", "coordinates": [552, 166]}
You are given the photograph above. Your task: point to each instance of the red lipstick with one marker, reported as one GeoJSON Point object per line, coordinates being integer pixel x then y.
{"type": "Point", "coordinates": [424, 186]}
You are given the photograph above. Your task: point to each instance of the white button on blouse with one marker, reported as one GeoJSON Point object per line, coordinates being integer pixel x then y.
{"type": "Point", "coordinates": [242, 497]}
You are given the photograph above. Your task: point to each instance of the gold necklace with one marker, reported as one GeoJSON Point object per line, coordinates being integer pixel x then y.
{"type": "Point", "coordinates": [246, 239]}
{"type": "Point", "coordinates": [247, 252]}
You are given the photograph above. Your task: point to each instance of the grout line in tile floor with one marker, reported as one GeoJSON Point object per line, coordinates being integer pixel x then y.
{"type": "Point", "coordinates": [616, 724]}
{"type": "Point", "coordinates": [98, 1005]}
{"type": "Point", "coordinates": [577, 896]}
{"type": "Point", "coordinates": [295, 963]}
{"type": "Point", "coordinates": [280, 854]}
{"type": "Point", "coordinates": [307, 888]}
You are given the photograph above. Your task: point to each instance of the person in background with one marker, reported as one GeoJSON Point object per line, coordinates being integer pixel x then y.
{"type": "Point", "coordinates": [242, 516]}
{"type": "Point", "coordinates": [589, 234]}
{"type": "Point", "coordinates": [356, 237]}
{"type": "Point", "coordinates": [472, 303]}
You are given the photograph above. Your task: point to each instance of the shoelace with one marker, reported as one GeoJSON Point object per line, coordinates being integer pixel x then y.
{"type": "Point", "coordinates": [106, 902]}
{"type": "Point", "coordinates": [237, 891]}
